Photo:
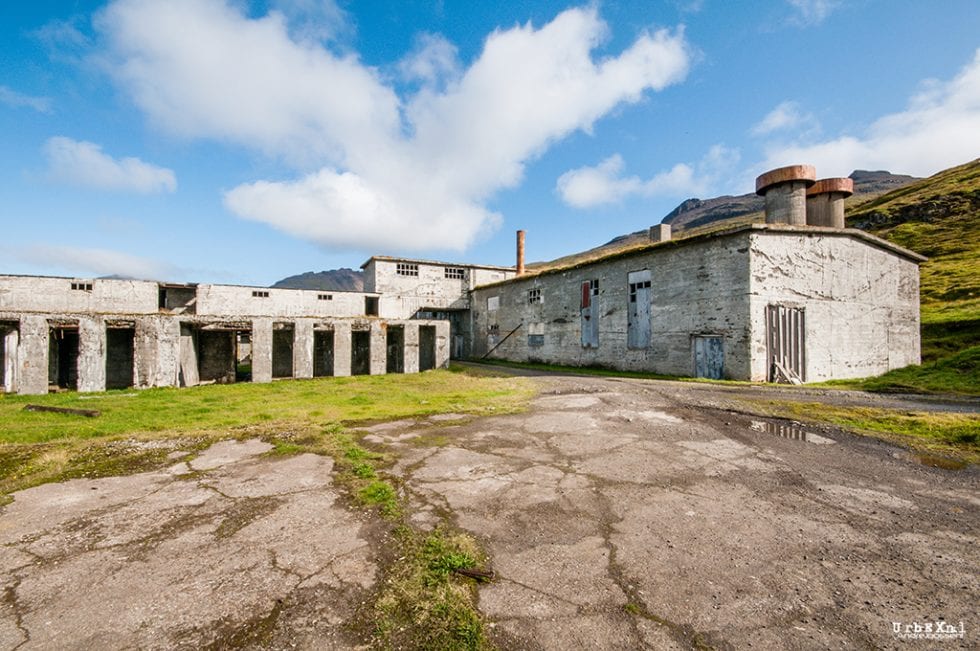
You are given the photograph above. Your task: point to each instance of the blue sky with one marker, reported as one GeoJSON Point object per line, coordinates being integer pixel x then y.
{"type": "Point", "coordinates": [242, 142]}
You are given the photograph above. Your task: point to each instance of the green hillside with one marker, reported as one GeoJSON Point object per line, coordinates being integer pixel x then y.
{"type": "Point", "coordinates": [938, 217]}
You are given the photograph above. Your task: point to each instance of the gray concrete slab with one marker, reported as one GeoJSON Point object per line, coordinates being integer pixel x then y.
{"type": "Point", "coordinates": [619, 516]}
{"type": "Point", "coordinates": [233, 548]}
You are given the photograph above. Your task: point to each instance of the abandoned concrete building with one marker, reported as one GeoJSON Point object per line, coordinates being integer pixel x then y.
{"type": "Point", "coordinates": [797, 298]}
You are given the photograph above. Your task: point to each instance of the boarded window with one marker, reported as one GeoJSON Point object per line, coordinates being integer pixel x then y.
{"type": "Point", "coordinates": [786, 343]}
{"type": "Point", "coordinates": [493, 303]}
{"type": "Point", "coordinates": [535, 340]}
{"type": "Point", "coordinates": [638, 312]}
{"type": "Point", "coordinates": [590, 314]}
{"type": "Point", "coordinates": [709, 357]}
{"type": "Point", "coordinates": [407, 269]}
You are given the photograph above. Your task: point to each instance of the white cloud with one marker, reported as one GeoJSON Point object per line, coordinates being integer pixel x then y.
{"type": "Point", "coordinates": [393, 172]}
{"type": "Point", "coordinates": [940, 128]}
{"type": "Point", "coordinates": [787, 115]}
{"type": "Point", "coordinates": [588, 187]}
{"type": "Point", "coordinates": [12, 98]}
{"type": "Point", "coordinates": [83, 163]}
{"type": "Point", "coordinates": [433, 60]}
{"type": "Point", "coordinates": [95, 262]}
{"type": "Point", "coordinates": [813, 12]}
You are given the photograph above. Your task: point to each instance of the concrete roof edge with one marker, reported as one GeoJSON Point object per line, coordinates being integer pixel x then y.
{"type": "Point", "coordinates": [435, 263]}
{"type": "Point", "coordinates": [722, 232]}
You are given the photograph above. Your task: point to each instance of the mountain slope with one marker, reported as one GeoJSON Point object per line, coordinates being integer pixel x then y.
{"type": "Point", "coordinates": [694, 215]}
{"type": "Point", "coordinates": [337, 280]}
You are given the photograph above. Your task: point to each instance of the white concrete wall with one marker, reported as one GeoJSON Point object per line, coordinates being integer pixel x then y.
{"type": "Point", "coordinates": [42, 294]}
{"type": "Point", "coordinates": [861, 302]}
{"type": "Point", "coordinates": [403, 296]}
{"type": "Point", "coordinates": [224, 300]}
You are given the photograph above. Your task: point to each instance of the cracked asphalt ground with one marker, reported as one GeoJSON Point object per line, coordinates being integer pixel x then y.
{"type": "Point", "coordinates": [618, 514]}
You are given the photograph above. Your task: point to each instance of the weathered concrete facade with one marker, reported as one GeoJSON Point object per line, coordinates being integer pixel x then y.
{"type": "Point", "coordinates": [704, 306]}
{"type": "Point", "coordinates": [95, 334]}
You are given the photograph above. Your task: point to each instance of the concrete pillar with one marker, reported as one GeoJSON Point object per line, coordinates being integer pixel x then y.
{"type": "Point", "coordinates": [659, 233]}
{"type": "Point", "coordinates": [442, 344]}
{"type": "Point", "coordinates": [11, 341]}
{"type": "Point", "coordinates": [520, 253]}
{"type": "Point", "coordinates": [33, 355]}
{"type": "Point", "coordinates": [261, 350]}
{"type": "Point", "coordinates": [785, 192]}
{"type": "Point", "coordinates": [91, 354]}
{"type": "Point", "coordinates": [379, 349]}
{"type": "Point", "coordinates": [825, 202]}
{"type": "Point", "coordinates": [303, 348]}
{"type": "Point", "coordinates": [411, 347]}
{"type": "Point", "coordinates": [341, 349]}
{"type": "Point", "coordinates": [156, 351]}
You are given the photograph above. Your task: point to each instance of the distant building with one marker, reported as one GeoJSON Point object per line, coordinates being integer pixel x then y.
{"type": "Point", "coordinates": [799, 298]}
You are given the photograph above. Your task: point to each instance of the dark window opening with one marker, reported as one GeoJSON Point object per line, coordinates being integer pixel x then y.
{"type": "Point", "coordinates": [260, 294]}
{"type": "Point", "coordinates": [119, 358]}
{"type": "Point", "coordinates": [360, 352]}
{"type": "Point", "coordinates": [395, 349]}
{"type": "Point", "coordinates": [216, 357]}
{"type": "Point", "coordinates": [535, 340]}
{"type": "Point", "coordinates": [406, 269]}
{"type": "Point", "coordinates": [455, 273]}
{"type": "Point", "coordinates": [534, 296]}
{"type": "Point", "coordinates": [323, 352]}
{"type": "Point", "coordinates": [283, 337]}
{"type": "Point", "coordinates": [63, 357]}
{"type": "Point", "coordinates": [427, 348]}
{"type": "Point", "coordinates": [81, 287]}
{"type": "Point", "coordinates": [371, 305]}
{"type": "Point", "coordinates": [324, 297]}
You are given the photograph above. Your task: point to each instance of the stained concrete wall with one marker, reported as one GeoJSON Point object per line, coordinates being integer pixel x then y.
{"type": "Point", "coordinates": [699, 288]}
{"type": "Point", "coordinates": [860, 296]}
{"type": "Point", "coordinates": [157, 351]}
{"type": "Point", "coordinates": [43, 294]}
{"type": "Point", "coordinates": [402, 296]}
{"type": "Point", "coordinates": [861, 302]}
{"type": "Point", "coordinates": [9, 342]}
{"type": "Point", "coordinates": [220, 300]}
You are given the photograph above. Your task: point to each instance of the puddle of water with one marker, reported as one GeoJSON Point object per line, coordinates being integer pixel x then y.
{"type": "Point", "coordinates": [792, 432]}
{"type": "Point", "coordinates": [936, 461]}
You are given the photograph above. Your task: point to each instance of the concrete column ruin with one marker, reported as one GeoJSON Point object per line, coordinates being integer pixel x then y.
{"type": "Point", "coordinates": [341, 348]}
{"type": "Point", "coordinates": [91, 354]}
{"type": "Point", "coordinates": [379, 349]}
{"type": "Point", "coordinates": [442, 344]}
{"type": "Point", "coordinates": [785, 191]}
{"type": "Point", "coordinates": [156, 349]}
{"type": "Point", "coordinates": [11, 340]}
{"type": "Point", "coordinates": [303, 348]}
{"type": "Point", "coordinates": [32, 354]}
{"type": "Point", "coordinates": [411, 347]}
{"type": "Point", "coordinates": [261, 350]}
{"type": "Point", "coordinates": [825, 202]}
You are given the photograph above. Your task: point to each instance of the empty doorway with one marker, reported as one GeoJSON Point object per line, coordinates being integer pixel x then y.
{"type": "Point", "coordinates": [119, 358]}
{"type": "Point", "coordinates": [323, 353]}
{"type": "Point", "coordinates": [395, 349]}
{"type": "Point", "coordinates": [360, 352]}
{"type": "Point", "coordinates": [283, 337]}
{"type": "Point", "coordinates": [427, 348]}
{"type": "Point", "coordinates": [63, 357]}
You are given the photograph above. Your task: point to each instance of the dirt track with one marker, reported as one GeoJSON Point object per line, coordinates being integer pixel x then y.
{"type": "Point", "coordinates": [616, 513]}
